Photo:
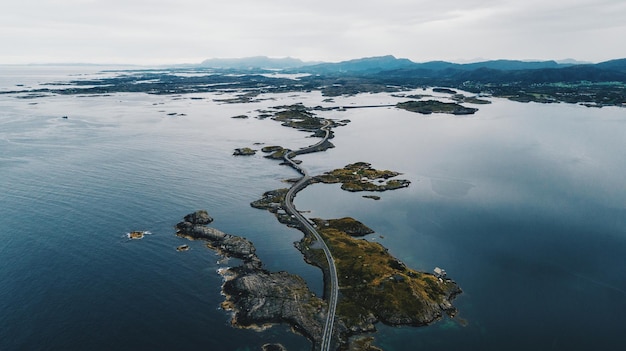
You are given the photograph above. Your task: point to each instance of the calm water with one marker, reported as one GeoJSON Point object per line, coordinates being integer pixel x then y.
{"type": "Point", "coordinates": [523, 204]}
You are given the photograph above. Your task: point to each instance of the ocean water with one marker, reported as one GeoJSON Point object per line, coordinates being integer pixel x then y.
{"type": "Point", "coordinates": [523, 204]}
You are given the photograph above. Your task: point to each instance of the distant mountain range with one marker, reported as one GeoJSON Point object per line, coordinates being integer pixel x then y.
{"type": "Point", "coordinates": [495, 71]}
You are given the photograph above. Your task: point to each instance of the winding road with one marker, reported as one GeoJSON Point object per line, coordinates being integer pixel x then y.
{"type": "Point", "coordinates": [302, 183]}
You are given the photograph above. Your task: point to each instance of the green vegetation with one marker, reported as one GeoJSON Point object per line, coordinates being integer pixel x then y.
{"type": "Point", "coordinates": [298, 116]}
{"type": "Point", "coordinates": [347, 225]}
{"type": "Point", "coordinates": [244, 151]}
{"type": "Point", "coordinates": [275, 152]}
{"type": "Point", "coordinates": [271, 200]}
{"type": "Point", "coordinates": [601, 84]}
{"type": "Point", "coordinates": [433, 106]}
{"type": "Point", "coordinates": [374, 283]}
{"type": "Point", "coordinates": [361, 176]}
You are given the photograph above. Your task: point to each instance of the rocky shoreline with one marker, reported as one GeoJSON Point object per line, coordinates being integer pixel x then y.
{"type": "Point", "coordinates": [373, 285]}
{"type": "Point", "coordinates": [256, 297]}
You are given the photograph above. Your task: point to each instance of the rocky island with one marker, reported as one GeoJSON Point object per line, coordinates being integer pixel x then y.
{"type": "Point", "coordinates": [137, 234]}
{"type": "Point", "coordinates": [360, 176]}
{"type": "Point", "coordinates": [255, 296]}
{"type": "Point", "coordinates": [376, 286]}
{"type": "Point", "coordinates": [274, 152]}
{"type": "Point", "coordinates": [244, 151]}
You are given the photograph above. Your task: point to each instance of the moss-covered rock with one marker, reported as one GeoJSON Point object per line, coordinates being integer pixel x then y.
{"type": "Point", "coordinates": [361, 176]}
{"type": "Point", "coordinates": [244, 151]}
{"type": "Point", "coordinates": [375, 286]}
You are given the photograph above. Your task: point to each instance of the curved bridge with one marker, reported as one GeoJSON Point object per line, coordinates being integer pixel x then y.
{"type": "Point", "coordinates": [302, 183]}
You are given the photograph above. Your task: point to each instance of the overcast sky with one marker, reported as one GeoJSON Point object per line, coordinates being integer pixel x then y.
{"type": "Point", "coordinates": [189, 31]}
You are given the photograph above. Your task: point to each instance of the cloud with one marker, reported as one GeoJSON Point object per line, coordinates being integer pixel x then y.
{"type": "Point", "coordinates": [162, 31]}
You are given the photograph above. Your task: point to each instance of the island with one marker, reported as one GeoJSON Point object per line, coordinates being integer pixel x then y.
{"type": "Point", "coordinates": [274, 152]}
{"type": "Point", "coordinates": [244, 151]}
{"type": "Point", "coordinates": [375, 286]}
{"type": "Point", "coordinates": [360, 176]}
{"type": "Point", "coordinates": [256, 297]}
{"type": "Point", "coordinates": [427, 107]}
{"type": "Point", "coordinates": [137, 234]}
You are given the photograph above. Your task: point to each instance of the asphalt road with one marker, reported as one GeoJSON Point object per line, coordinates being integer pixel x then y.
{"type": "Point", "coordinates": [327, 335]}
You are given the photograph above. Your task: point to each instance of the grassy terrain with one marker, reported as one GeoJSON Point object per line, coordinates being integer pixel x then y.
{"type": "Point", "coordinates": [361, 176]}
{"type": "Point", "coordinates": [375, 285]}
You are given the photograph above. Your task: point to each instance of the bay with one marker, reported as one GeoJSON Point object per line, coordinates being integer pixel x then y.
{"type": "Point", "coordinates": [523, 204]}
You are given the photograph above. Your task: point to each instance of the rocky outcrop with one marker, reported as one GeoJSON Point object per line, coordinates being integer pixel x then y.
{"type": "Point", "coordinates": [193, 227]}
{"type": "Point", "coordinates": [259, 297]}
{"type": "Point", "coordinates": [254, 295]}
{"type": "Point", "coordinates": [199, 217]}
{"type": "Point", "coordinates": [275, 152]}
{"type": "Point", "coordinates": [197, 231]}
{"type": "Point", "coordinates": [244, 151]}
{"type": "Point", "coordinates": [273, 201]}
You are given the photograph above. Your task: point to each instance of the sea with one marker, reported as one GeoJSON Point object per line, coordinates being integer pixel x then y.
{"type": "Point", "coordinates": [523, 204]}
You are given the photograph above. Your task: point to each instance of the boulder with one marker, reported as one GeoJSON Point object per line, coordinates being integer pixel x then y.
{"type": "Point", "coordinates": [199, 217]}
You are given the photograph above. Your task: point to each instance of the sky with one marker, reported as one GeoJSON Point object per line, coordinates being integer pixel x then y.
{"type": "Point", "coordinates": [189, 31]}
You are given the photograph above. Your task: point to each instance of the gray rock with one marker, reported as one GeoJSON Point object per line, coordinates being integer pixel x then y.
{"type": "Point", "coordinates": [264, 297]}
{"type": "Point", "coordinates": [199, 217]}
